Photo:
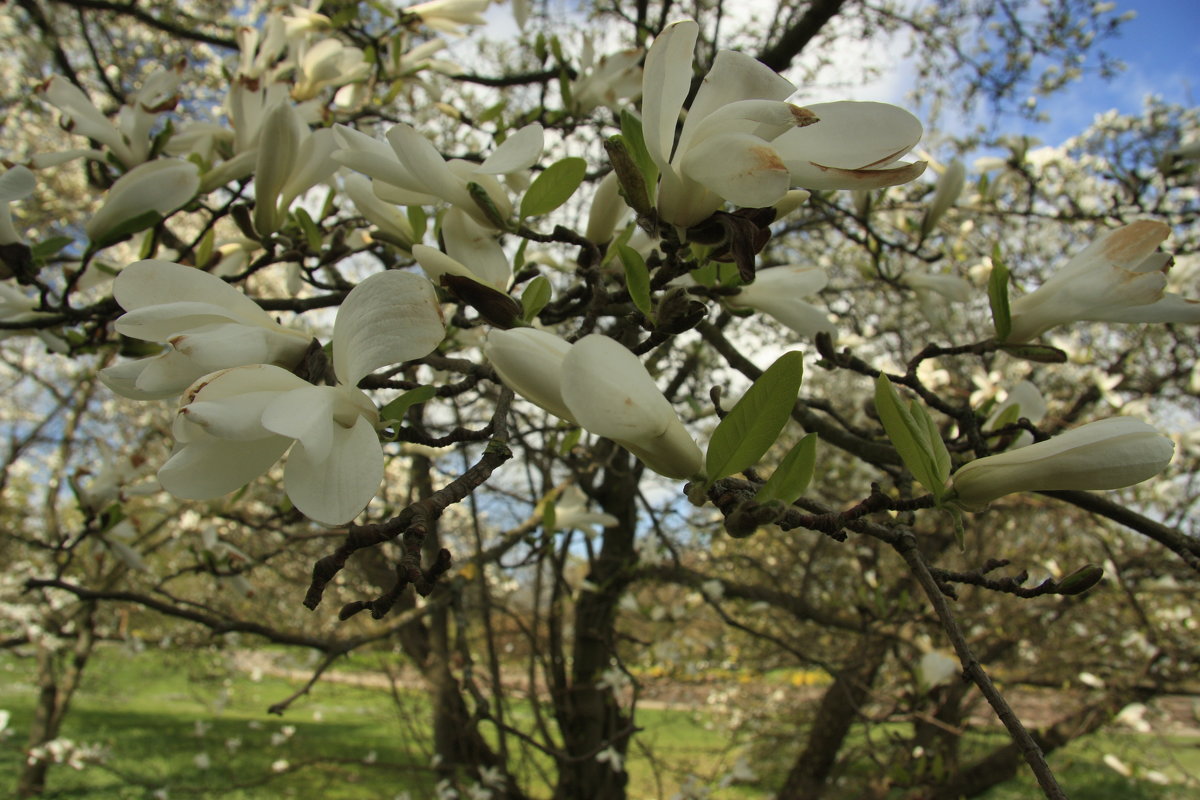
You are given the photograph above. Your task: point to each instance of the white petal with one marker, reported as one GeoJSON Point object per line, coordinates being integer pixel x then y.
{"type": "Point", "coordinates": [210, 468]}
{"type": "Point", "coordinates": [734, 77]}
{"type": "Point", "coordinates": [427, 165]}
{"type": "Point", "coordinates": [741, 168]}
{"type": "Point", "coordinates": [314, 164]}
{"type": "Point", "coordinates": [470, 243]}
{"type": "Point", "coordinates": [1171, 308]}
{"type": "Point", "coordinates": [153, 282]}
{"type": "Point", "coordinates": [161, 186]}
{"type": "Point", "coordinates": [610, 393]}
{"type": "Point", "coordinates": [16, 183]}
{"type": "Point", "coordinates": [122, 379]}
{"type": "Point", "coordinates": [389, 318]}
{"type": "Point", "coordinates": [334, 489]}
{"type": "Point", "coordinates": [852, 136]}
{"type": "Point", "coordinates": [160, 322]}
{"type": "Point", "coordinates": [277, 159]}
{"type": "Point", "coordinates": [530, 362]}
{"type": "Point", "coordinates": [305, 415]}
{"type": "Point", "coordinates": [811, 175]}
{"type": "Point", "coordinates": [519, 151]}
{"type": "Point", "coordinates": [665, 84]}
{"type": "Point", "coordinates": [436, 264]}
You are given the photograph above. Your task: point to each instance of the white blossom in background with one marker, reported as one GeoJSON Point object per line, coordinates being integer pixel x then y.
{"type": "Point", "coordinates": [949, 186]}
{"type": "Point", "coordinates": [328, 63]}
{"type": "Point", "coordinates": [572, 512]}
{"type": "Point", "coordinates": [1029, 403]}
{"type": "Point", "coordinates": [605, 81]}
{"type": "Point", "coordinates": [472, 251]}
{"type": "Point", "coordinates": [777, 292]}
{"type": "Point", "coordinates": [450, 16]}
{"type": "Point", "coordinates": [1119, 277]}
{"type": "Point", "coordinates": [129, 138]}
{"type": "Point", "coordinates": [612, 757]}
{"type": "Point", "coordinates": [935, 668]}
{"type": "Point", "coordinates": [1108, 454]}
{"type": "Point", "coordinates": [206, 324]}
{"type": "Point", "coordinates": [233, 425]}
{"type": "Point", "coordinates": [742, 144]}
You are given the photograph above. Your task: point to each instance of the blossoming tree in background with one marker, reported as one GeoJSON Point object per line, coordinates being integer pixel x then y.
{"type": "Point", "coordinates": [599, 344]}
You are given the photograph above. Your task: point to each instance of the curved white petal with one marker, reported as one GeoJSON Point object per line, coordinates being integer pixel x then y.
{"type": "Point", "coordinates": [16, 183]}
{"type": "Point", "coordinates": [305, 415]}
{"type": "Point", "coordinates": [1171, 308]}
{"type": "Point", "coordinates": [610, 393]}
{"type": "Point", "coordinates": [852, 136]}
{"type": "Point", "coordinates": [519, 151]}
{"type": "Point", "coordinates": [427, 165]}
{"type": "Point", "coordinates": [209, 468]}
{"type": "Point", "coordinates": [739, 167]}
{"type": "Point", "coordinates": [436, 264]}
{"type": "Point", "coordinates": [389, 318]}
{"type": "Point", "coordinates": [123, 379]}
{"type": "Point", "coordinates": [733, 77]}
{"type": "Point", "coordinates": [467, 242]}
{"type": "Point", "coordinates": [161, 186]}
{"type": "Point", "coordinates": [314, 164]}
{"type": "Point", "coordinates": [530, 362]}
{"type": "Point", "coordinates": [335, 488]}
{"type": "Point", "coordinates": [159, 322]}
{"type": "Point", "coordinates": [665, 83]}
{"type": "Point", "coordinates": [811, 175]}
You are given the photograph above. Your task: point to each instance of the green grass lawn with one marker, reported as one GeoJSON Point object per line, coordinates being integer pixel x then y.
{"type": "Point", "coordinates": [184, 722]}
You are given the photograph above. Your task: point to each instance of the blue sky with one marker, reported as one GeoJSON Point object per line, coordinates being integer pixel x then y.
{"type": "Point", "coordinates": [1161, 49]}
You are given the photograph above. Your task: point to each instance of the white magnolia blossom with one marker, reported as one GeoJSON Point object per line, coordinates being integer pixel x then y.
{"type": "Point", "coordinates": [449, 16]}
{"type": "Point", "coordinates": [1119, 277]}
{"type": "Point", "coordinates": [742, 144]}
{"type": "Point", "coordinates": [328, 63]}
{"type": "Point", "coordinates": [1108, 454]}
{"type": "Point", "coordinates": [472, 251]}
{"type": "Point", "coordinates": [605, 81]}
{"type": "Point", "coordinates": [389, 219]}
{"type": "Point", "coordinates": [411, 171]}
{"type": "Point", "coordinates": [15, 184]}
{"type": "Point", "coordinates": [571, 512]}
{"type": "Point", "coordinates": [206, 324]}
{"type": "Point", "coordinates": [129, 139]}
{"type": "Point", "coordinates": [1029, 403]}
{"type": "Point", "coordinates": [291, 160]}
{"type": "Point", "coordinates": [951, 287]}
{"type": "Point", "coordinates": [233, 425]}
{"type": "Point", "coordinates": [156, 187]}
{"type": "Point", "coordinates": [777, 292]}
{"type": "Point", "coordinates": [949, 187]}
{"type": "Point", "coordinates": [608, 210]}
{"type": "Point", "coordinates": [601, 386]}
{"type": "Point", "coordinates": [937, 667]}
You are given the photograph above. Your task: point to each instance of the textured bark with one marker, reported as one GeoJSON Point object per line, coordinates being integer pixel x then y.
{"type": "Point", "coordinates": [839, 707]}
{"type": "Point", "coordinates": [589, 717]}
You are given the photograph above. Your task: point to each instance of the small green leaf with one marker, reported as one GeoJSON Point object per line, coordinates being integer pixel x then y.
{"type": "Point", "coordinates": [705, 275]}
{"type": "Point", "coordinates": [49, 247]}
{"type": "Point", "coordinates": [753, 425]}
{"type": "Point", "coordinates": [570, 440]}
{"type": "Point", "coordinates": [395, 410]}
{"type": "Point", "coordinates": [1041, 353]}
{"type": "Point", "coordinates": [553, 187]}
{"type": "Point", "coordinates": [312, 235]}
{"type": "Point", "coordinates": [1007, 417]}
{"type": "Point", "coordinates": [789, 480]}
{"type": "Point", "coordinates": [535, 297]}
{"type": "Point", "coordinates": [637, 278]}
{"type": "Point", "coordinates": [935, 445]}
{"type": "Point", "coordinates": [549, 512]}
{"type": "Point", "coordinates": [998, 296]}
{"type": "Point", "coordinates": [206, 248]}
{"type": "Point", "coordinates": [911, 437]}
{"type": "Point", "coordinates": [631, 182]}
{"type": "Point", "coordinates": [418, 219]}
{"type": "Point", "coordinates": [487, 205]}
{"type": "Point", "coordinates": [635, 140]}
{"type": "Point", "coordinates": [492, 112]}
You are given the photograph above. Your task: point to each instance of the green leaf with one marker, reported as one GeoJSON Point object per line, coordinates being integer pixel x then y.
{"type": "Point", "coordinates": [549, 512]}
{"type": "Point", "coordinates": [206, 248]}
{"type": "Point", "coordinates": [535, 297]}
{"type": "Point", "coordinates": [753, 425]}
{"type": "Point", "coordinates": [998, 296]}
{"type": "Point", "coordinates": [911, 435]}
{"type": "Point", "coordinates": [637, 278]}
{"type": "Point", "coordinates": [1007, 417]}
{"type": "Point", "coordinates": [49, 247]}
{"type": "Point", "coordinates": [553, 187]}
{"type": "Point", "coordinates": [418, 219]}
{"type": "Point", "coordinates": [395, 410]}
{"type": "Point", "coordinates": [312, 235]}
{"type": "Point", "coordinates": [631, 182]}
{"type": "Point", "coordinates": [789, 480]}
{"type": "Point", "coordinates": [1041, 353]}
{"type": "Point", "coordinates": [570, 440]}
{"type": "Point", "coordinates": [487, 205]}
{"type": "Point", "coordinates": [705, 275]}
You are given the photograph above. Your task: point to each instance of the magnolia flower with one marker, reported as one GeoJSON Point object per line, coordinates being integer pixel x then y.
{"type": "Point", "coordinates": [389, 219]}
{"type": "Point", "coordinates": [608, 210]}
{"type": "Point", "coordinates": [601, 386]}
{"type": "Point", "coordinates": [950, 287]}
{"type": "Point", "coordinates": [412, 172]}
{"type": "Point", "coordinates": [935, 668]}
{"type": "Point", "coordinates": [1119, 277]}
{"type": "Point", "coordinates": [471, 252]}
{"type": "Point", "coordinates": [607, 81]}
{"type": "Point", "coordinates": [449, 16]}
{"type": "Point", "coordinates": [949, 187]}
{"type": "Point", "coordinates": [740, 143]}
{"type": "Point", "coordinates": [15, 184]}
{"type": "Point", "coordinates": [1027, 402]}
{"type": "Point", "coordinates": [571, 511]}
{"type": "Point", "coordinates": [206, 324]}
{"type": "Point", "coordinates": [777, 292]}
{"type": "Point", "coordinates": [328, 63]}
{"type": "Point", "coordinates": [1109, 454]}
{"type": "Point", "coordinates": [129, 139]}
{"type": "Point", "coordinates": [291, 160]}
{"type": "Point", "coordinates": [233, 425]}
{"type": "Point", "coordinates": [142, 197]}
